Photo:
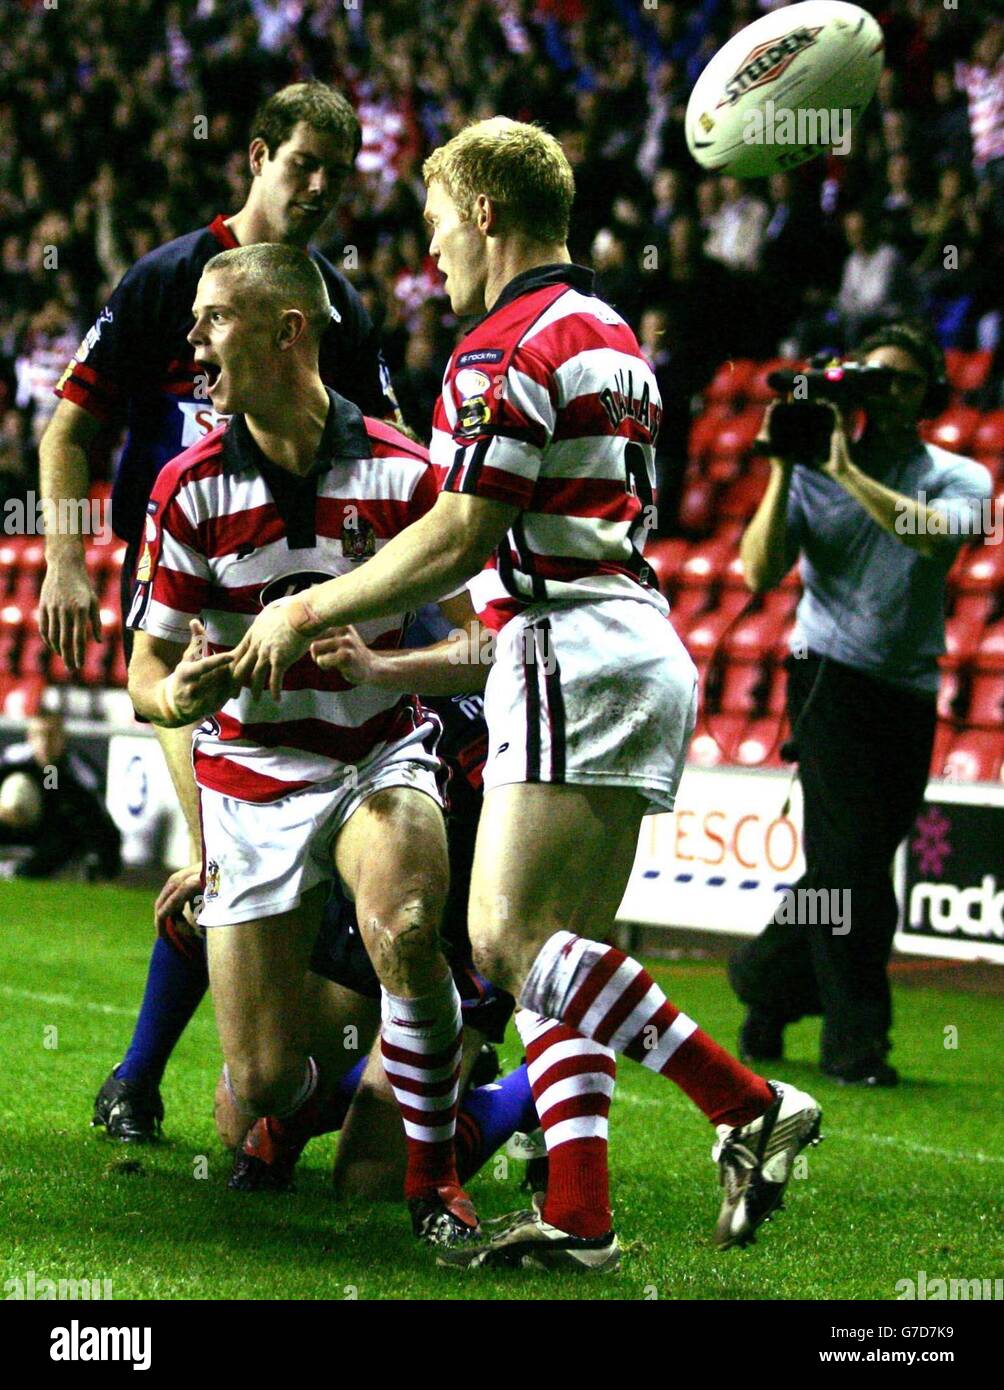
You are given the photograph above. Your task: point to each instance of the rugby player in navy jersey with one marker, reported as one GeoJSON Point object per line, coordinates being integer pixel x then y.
{"type": "Point", "coordinates": [136, 367]}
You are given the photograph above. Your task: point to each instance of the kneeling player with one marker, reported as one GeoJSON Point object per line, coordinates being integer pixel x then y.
{"type": "Point", "coordinates": [298, 486]}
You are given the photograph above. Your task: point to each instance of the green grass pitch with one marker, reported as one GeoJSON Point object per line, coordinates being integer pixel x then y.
{"type": "Point", "coordinates": [906, 1181]}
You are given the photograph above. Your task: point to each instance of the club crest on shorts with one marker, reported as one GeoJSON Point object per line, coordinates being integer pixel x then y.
{"type": "Point", "coordinates": [358, 539]}
{"type": "Point", "coordinates": [212, 880]}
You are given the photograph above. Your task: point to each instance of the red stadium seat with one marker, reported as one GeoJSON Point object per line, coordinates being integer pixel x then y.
{"type": "Point", "coordinates": [776, 701]}
{"type": "Point", "coordinates": [986, 702]}
{"type": "Point", "coordinates": [759, 744]}
{"type": "Point", "coordinates": [975, 607]}
{"type": "Point", "coordinates": [665, 558]}
{"type": "Point", "coordinates": [988, 437]}
{"type": "Point", "coordinates": [736, 435]}
{"type": "Point", "coordinates": [975, 756]}
{"type": "Point", "coordinates": [990, 652]}
{"type": "Point", "coordinates": [21, 698]}
{"type": "Point", "coordinates": [756, 635]}
{"type": "Point", "coordinates": [99, 654]}
{"type": "Point", "coordinates": [742, 497]}
{"type": "Point", "coordinates": [35, 655]}
{"type": "Point", "coordinates": [962, 636]}
{"type": "Point", "coordinates": [953, 429]}
{"type": "Point", "coordinates": [759, 392]}
{"type": "Point", "coordinates": [715, 741]}
{"type": "Point", "coordinates": [979, 570]}
{"type": "Point", "coordinates": [967, 371]}
{"type": "Point", "coordinates": [705, 428]}
{"type": "Point", "coordinates": [706, 562]}
{"type": "Point", "coordinates": [742, 688]}
{"type": "Point", "coordinates": [944, 736]}
{"type": "Point", "coordinates": [733, 576]}
{"type": "Point", "coordinates": [949, 685]}
{"type": "Point", "coordinates": [723, 469]}
{"type": "Point", "coordinates": [697, 505]}
{"type": "Point", "coordinates": [706, 631]}
{"type": "Point", "coordinates": [688, 603]}
{"type": "Point", "coordinates": [731, 381]}
{"type": "Point", "coordinates": [119, 673]}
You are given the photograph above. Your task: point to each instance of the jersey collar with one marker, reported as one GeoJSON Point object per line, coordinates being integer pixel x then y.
{"type": "Point", "coordinates": [219, 229]}
{"type": "Point", "coordinates": [578, 277]}
{"type": "Point", "coordinates": [343, 437]}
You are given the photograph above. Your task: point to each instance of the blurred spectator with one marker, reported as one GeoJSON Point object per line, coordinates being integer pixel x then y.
{"type": "Point", "coordinates": [15, 473]}
{"type": "Point", "coordinates": [876, 284]}
{"type": "Point", "coordinates": [121, 126]}
{"type": "Point", "coordinates": [948, 140]}
{"type": "Point", "coordinates": [982, 80]}
{"type": "Point", "coordinates": [618, 279]}
{"type": "Point", "coordinates": [47, 345]}
{"type": "Point", "coordinates": [736, 228]}
{"type": "Point", "coordinates": [899, 205]}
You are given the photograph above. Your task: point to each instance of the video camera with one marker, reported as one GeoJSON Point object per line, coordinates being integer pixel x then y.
{"type": "Point", "coordinates": [800, 429]}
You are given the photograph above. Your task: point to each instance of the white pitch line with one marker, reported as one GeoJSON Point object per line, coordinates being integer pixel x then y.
{"type": "Point", "coordinates": [929, 1150]}
{"type": "Point", "coordinates": [889, 1140]}
{"type": "Point", "coordinates": [65, 1001]}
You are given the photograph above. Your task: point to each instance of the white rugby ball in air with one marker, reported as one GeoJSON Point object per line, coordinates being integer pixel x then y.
{"type": "Point", "coordinates": [784, 89]}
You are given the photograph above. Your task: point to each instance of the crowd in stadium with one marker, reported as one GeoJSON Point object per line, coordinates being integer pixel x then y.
{"type": "Point", "coordinates": [126, 124]}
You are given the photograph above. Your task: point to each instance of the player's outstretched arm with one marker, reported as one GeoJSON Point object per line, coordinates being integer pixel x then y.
{"type": "Point", "coordinates": [442, 550]}
{"type": "Point", "coordinates": [458, 665]}
{"type": "Point", "coordinates": [68, 609]}
{"type": "Point", "coordinates": [173, 685]}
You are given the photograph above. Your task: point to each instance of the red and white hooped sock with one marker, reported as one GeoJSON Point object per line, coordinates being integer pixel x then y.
{"type": "Point", "coordinates": [611, 998]}
{"type": "Point", "coordinates": [572, 1080]}
{"type": "Point", "coordinates": [421, 1045]}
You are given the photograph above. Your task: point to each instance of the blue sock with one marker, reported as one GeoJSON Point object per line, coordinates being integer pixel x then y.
{"type": "Point", "coordinates": [175, 985]}
{"type": "Point", "coordinates": [489, 1116]}
{"type": "Point", "coordinates": [336, 1107]}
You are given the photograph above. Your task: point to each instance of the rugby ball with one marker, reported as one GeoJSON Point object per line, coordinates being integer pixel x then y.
{"type": "Point", "coordinates": [784, 89]}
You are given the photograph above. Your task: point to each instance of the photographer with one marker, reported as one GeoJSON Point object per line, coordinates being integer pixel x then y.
{"type": "Point", "coordinates": [51, 808]}
{"type": "Point", "coordinates": [877, 524]}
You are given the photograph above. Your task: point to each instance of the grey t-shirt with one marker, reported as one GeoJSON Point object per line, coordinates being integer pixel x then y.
{"type": "Point", "coordinates": [869, 600]}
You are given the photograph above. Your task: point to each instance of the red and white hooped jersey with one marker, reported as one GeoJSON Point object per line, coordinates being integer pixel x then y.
{"type": "Point", "coordinates": [548, 404]}
{"type": "Point", "coordinates": [226, 533]}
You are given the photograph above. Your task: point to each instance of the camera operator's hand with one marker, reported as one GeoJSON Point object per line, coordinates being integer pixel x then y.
{"type": "Point", "coordinates": [762, 440]}
{"type": "Point", "coordinates": [763, 433]}
{"type": "Point", "coordinates": [839, 464]}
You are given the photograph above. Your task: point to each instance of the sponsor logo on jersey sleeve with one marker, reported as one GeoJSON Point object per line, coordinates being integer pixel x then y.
{"type": "Point", "coordinates": [478, 356]}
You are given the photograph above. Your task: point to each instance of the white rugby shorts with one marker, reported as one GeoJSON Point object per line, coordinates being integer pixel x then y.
{"type": "Point", "coordinates": [260, 858]}
{"type": "Point", "coordinates": [599, 694]}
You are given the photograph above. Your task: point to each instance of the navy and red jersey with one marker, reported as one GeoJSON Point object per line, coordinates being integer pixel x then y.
{"type": "Point", "coordinates": [135, 365]}
{"type": "Point", "coordinates": [549, 405]}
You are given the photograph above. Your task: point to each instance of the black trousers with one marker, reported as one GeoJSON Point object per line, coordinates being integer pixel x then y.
{"type": "Point", "coordinates": [864, 749]}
